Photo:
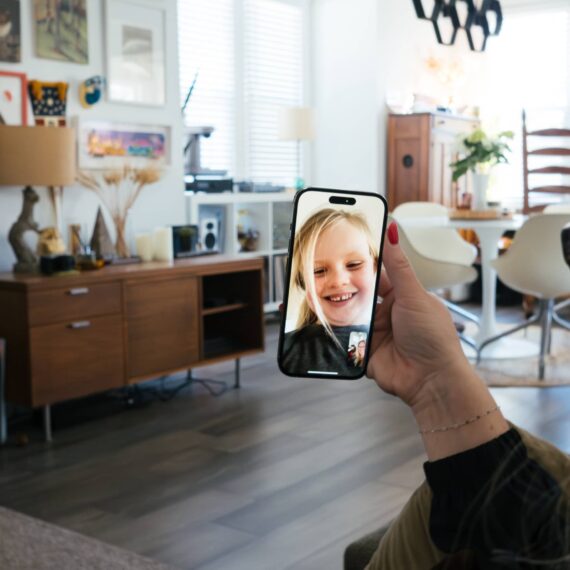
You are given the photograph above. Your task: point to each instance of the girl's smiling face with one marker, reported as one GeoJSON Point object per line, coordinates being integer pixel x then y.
{"type": "Point", "coordinates": [345, 275]}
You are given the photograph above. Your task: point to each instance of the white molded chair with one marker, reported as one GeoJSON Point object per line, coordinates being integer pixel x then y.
{"type": "Point", "coordinates": [440, 257]}
{"type": "Point", "coordinates": [534, 265]}
{"type": "Point", "coordinates": [562, 208]}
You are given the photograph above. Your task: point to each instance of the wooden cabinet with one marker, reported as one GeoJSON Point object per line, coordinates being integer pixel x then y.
{"type": "Point", "coordinates": [162, 326]}
{"type": "Point", "coordinates": [420, 150]}
{"type": "Point", "coordinates": [72, 336]}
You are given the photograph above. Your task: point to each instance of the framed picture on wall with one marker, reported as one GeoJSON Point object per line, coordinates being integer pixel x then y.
{"type": "Point", "coordinates": [108, 145]}
{"type": "Point", "coordinates": [13, 98]}
{"type": "Point", "coordinates": [61, 30]}
{"type": "Point", "coordinates": [10, 35]}
{"type": "Point", "coordinates": [136, 52]}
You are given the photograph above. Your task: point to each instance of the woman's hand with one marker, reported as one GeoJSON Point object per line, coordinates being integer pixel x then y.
{"type": "Point", "coordinates": [414, 338]}
{"type": "Point", "coordinates": [416, 355]}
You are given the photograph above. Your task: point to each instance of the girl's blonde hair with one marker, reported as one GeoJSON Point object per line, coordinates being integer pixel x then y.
{"type": "Point", "coordinates": [304, 259]}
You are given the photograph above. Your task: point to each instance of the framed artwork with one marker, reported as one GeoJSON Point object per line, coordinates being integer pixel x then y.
{"type": "Point", "coordinates": [10, 35]}
{"type": "Point", "coordinates": [61, 30]}
{"type": "Point", "coordinates": [13, 98]}
{"type": "Point", "coordinates": [106, 145]}
{"type": "Point", "coordinates": [135, 52]}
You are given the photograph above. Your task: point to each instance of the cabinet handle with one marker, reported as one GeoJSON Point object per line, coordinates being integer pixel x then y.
{"type": "Point", "coordinates": [79, 325]}
{"type": "Point", "coordinates": [78, 291]}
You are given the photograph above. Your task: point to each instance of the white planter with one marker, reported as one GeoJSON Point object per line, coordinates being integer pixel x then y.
{"type": "Point", "coordinates": [480, 185]}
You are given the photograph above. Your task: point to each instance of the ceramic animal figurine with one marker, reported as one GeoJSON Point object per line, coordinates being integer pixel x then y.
{"type": "Point", "coordinates": [27, 262]}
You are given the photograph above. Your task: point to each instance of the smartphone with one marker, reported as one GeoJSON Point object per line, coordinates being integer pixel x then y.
{"type": "Point", "coordinates": [335, 254]}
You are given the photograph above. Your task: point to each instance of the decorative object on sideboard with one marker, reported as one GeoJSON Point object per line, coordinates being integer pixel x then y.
{"type": "Point", "coordinates": [136, 56]}
{"type": "Point", "coordinates": [61, 30]}
{"type": "Point", "coordinates": [162, 248]}
{"type": "Point", "coordinates": [209, 234]}
{"type": "Point", "coordinates": [185, 240]}
{"type": "Point", "coordinates": [13, 98]}
{"type": "Point", "coordinates": [480, 21]}
{"type": "Point", "coordinates": [297, 124]}
{"type": "Point", "coordinates": [50, 242]}
{"type": "Point", "coordinates": [480, 153]}
{"type": "Point", "coordinates": [49, 102]}
{"type": "Point", "coordinates": [118, 191]}
{"type": "Point", "coordinates": [34, 156]}
{"type": "Point", "coordinates": [144, 245]}
{"type": "Point", "coordinates": [91, 91]}
{"type": "Point", "coordinates": [26, 260]}
{"type": "Point", "coordinates": [10, 39]}
{"type": "Point", "coordinates": [101, 243]}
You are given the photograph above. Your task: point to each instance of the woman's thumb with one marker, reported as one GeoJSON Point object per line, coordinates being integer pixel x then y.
{"type": "Point", "coordinates": [402, 276]}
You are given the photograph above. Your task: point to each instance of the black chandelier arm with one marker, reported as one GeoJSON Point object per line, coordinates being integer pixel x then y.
{"type": "Point", "coordinates": [475, 18]}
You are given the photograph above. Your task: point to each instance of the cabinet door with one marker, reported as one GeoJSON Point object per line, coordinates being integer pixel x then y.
{"type": "Point", "coordinates": [162, 326]}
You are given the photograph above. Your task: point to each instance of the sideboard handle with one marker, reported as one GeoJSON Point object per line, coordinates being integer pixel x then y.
{"type": "Point", "coordinates": [80, 325]}
{"type": "Point", "coordinates": [78, 291]}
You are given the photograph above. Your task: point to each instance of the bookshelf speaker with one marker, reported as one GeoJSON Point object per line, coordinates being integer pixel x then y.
{"type": "Point", "coordinates": [209, 234]}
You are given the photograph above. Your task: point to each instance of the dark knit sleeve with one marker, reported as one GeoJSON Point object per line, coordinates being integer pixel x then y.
{"type": "Point", "coordinates": [498, 502]}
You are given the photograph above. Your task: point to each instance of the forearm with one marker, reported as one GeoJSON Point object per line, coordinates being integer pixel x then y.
{"type": "Point", "coordinates": [450, 399]}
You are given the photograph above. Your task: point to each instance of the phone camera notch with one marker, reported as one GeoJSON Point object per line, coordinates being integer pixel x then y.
{"type": "Point", "coordinates": [342, 200]}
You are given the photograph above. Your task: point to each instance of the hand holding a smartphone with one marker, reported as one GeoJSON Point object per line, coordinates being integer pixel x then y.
{"type": "Point", "coordinates": [416, 355]}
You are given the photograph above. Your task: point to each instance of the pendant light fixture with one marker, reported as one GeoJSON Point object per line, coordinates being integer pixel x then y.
{"type": "Point", "coordinates": [479, 18]}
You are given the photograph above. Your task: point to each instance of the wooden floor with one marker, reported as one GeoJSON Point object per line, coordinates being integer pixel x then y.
{"type": "Point", "coordinates": [281, 474]}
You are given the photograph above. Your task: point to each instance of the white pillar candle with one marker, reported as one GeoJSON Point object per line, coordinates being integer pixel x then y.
{"type": "Point", "coordinates": [162, 238]}
{"type": "Point", "coordinates": [144, 247]}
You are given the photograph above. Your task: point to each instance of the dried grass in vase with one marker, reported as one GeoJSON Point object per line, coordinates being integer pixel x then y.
{"type": "Point", "coordinates": [118, 190]}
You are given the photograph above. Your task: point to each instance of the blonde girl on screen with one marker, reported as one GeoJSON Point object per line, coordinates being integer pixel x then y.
{"type": "Point", "coordinates": [334, 268]}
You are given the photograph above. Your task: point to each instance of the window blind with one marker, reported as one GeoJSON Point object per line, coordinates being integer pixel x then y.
{"type": "Point", "coordinates": [273, 79]}
{"type": "Point", "coordinates": [206, 46]}
{"type": "Point", "coordinates": [249, 55]}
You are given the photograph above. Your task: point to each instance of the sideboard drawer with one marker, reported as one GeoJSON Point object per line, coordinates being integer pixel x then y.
{"type": "Point", "coordinates": [76, 358]}
{"type": "Point", "coordinates": [73, 302]}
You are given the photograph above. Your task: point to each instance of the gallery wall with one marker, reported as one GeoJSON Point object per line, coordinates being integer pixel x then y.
{"type": "Point", "coordinates": [159, 204]}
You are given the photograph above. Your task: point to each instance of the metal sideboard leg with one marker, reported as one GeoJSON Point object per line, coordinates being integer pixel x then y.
{"type": "Point", "coordinates": [3, 419]}
{"type": "Point", "coordinates": [47, 423]}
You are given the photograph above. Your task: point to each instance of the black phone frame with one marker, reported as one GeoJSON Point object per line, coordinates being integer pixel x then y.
{"type": "Point", "coordinates": [288, 280]}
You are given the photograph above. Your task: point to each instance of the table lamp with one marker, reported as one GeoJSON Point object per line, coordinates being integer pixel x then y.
{"type": "Point", "coordinates": [297, 124]}
{"type": "Point", "coordinates": [29, 156]}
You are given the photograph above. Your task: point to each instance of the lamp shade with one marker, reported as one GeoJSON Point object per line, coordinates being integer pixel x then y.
{"type": "Point", "coordinates": [37, 156]}
{"type": "Point", "coordinates": [296, 124]}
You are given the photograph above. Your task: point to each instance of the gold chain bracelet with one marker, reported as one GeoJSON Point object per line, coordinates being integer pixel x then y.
{"type": "Point", "coordinates": [461, 424]}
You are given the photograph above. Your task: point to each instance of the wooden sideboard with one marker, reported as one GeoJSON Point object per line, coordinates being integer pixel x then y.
{"type": "Point", "coordinates": [420, 149]}
{"type": "Point", "coordinates": [74, 335]}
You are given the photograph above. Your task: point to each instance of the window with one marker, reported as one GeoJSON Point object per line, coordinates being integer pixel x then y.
{"type": "Point", "coordinates": [529, 67]}
{"type": "Point", "coordinates": [249, 59]}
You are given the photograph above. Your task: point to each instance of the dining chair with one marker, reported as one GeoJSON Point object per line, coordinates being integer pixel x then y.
{"type": "Point", "coordinates": [439, 255]}
{"type": "Point", "coordinates": [544, 154]}
{"type": "Point", "coordinates": [435, 271]}
{"type": "Point", "coordinates": [535, 265]}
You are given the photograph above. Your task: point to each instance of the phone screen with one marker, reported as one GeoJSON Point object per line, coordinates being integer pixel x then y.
{"type": "Point", "coordinates": [331, 289]}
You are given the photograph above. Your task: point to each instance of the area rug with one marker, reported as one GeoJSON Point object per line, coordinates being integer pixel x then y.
{"type": "Point", "coordinates": [524, 371]}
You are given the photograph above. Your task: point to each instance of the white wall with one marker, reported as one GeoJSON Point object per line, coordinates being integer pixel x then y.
{"type": "Point", "coordinates": [345, 53]}
{"type": "Point", "coordinates": [159, 204]}
{"type": "Point", "coordinates": [364, 51]}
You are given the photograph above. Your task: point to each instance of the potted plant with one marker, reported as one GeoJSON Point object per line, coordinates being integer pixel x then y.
{"type": "Point", "coordinates": [480, 153]}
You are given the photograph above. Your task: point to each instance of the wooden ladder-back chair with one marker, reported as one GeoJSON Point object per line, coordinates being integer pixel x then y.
{"type": "Point", "coordinates": [555, 152]}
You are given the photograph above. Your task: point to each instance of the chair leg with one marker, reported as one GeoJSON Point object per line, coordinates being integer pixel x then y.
{"type": "Point", "coordinates": [559, 320]}
{"type": "Point", "coordinates": [461, 312]}
{"type": "Point", "coordinates": [534, 319]}
{"type": "Point", "coordinates": [545, 333]}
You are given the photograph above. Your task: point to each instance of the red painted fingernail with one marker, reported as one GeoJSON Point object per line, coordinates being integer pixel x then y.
{"type": "Point", "coordinates": [393, 233]}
